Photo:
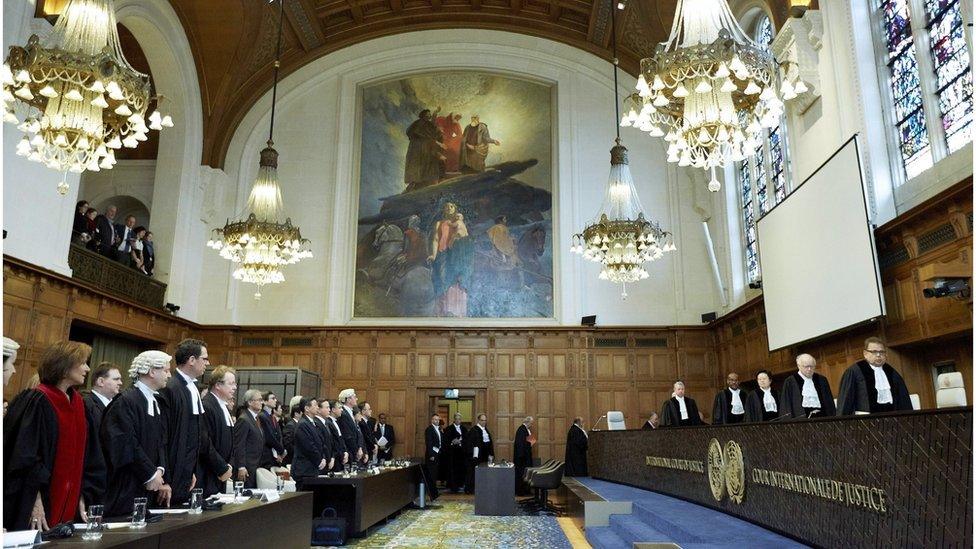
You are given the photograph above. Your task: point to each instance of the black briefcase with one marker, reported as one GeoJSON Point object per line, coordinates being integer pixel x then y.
{"type": "Point", "coordinates": [329, 530]}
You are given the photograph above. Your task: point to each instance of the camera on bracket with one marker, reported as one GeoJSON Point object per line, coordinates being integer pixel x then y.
{"type": "Point", "coordinates": [950, 279]}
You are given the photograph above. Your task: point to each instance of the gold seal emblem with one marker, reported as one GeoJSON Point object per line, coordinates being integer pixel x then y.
{"type": "Point", "coordinates": [735, 474]}
{"type": "Point", "coordinates": [716, 469]}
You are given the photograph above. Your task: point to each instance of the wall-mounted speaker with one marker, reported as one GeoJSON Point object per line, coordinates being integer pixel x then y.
{"type": "Point", "coordinates": [588, 320]}
{"type": "Point", "coordinates": [708, 317]}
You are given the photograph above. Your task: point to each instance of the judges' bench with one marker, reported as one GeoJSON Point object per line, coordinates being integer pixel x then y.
{"type": "Point", "coordinates": [898, 479]}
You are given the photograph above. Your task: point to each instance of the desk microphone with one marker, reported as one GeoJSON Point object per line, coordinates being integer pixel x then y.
{"type": "Point", "coordinates": [597, 423]}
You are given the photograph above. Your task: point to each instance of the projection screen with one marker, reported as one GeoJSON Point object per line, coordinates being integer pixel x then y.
{"type": "Point", "coordinates": [817, 256]}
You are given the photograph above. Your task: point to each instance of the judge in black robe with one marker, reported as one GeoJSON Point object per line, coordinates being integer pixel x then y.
{"type": "Point", "coordinates": [791, 404]}
{"type": "Point", "coordinates": [756, 408]}
{"type": "Point", "coordinates": [477, 451]}
{"type": "Point", "coordinates": [369, 441]}
{"type": "Point", "coordinates": [133, 437]}
{"type": "Point", "coordinates": [433, 445]}
{"type": "Point", "coordinates": [671, 412]}
{"type": "Point", "coordinates": [577, 442]}
{"type": "Point", "coordinates": [653, 422]}
{"type": "Point", "coordinates": [453, 456]}
{"type": "Point", "coordinates": [859, 391]}
{"type": "Point", "coordinates": [385, 430]}
{"type": "Point", "coordinates": [522, 457]}
{"type": "Point", "coordinates": [184, 428]}
{"type": "Point", "coordinates": [215, 462]}
{"type": "Point", "coordinates": [725, 409]}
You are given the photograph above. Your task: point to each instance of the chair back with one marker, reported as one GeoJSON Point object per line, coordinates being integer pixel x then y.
{"type": "Point", "coordinates": [615, 421]}
{"type": "Point", "coordinates": [916, 402]}
{"type": "Point", "coordinates": [266, 479]}
{"type": "Point", "coordinates": [951, 390]}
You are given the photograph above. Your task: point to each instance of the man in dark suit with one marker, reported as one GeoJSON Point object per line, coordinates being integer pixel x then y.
{"type": "Point", "coordinates": [347, 424]}
{"type": "Point", "coordinates": [480, 447]}
{"type": "Point", "coordinates": [182, 412]}
{"type": "Point", "coordinates": [288, 432]}
{"type": "Point", "coordinates": [680, 410]}
{"type": "Point", "coordinates": [249, 439]}
{"type": "Point", "coordinates": [148, 253]}
{"type": "Point", "coordinates": [274, 451]}
{"type": "Point", "coordinates": [215, 463]}
{"type": "Point", "coordinates": [331, 416]}
{"type": "Point", "coordinates": [126, 236]}
{"type": "Point", "coordinates": [106, 383]}
{"type": "Point", "coordinates": [577, 441]}
{"type": "Point", "coordinates": [454, 456]}
{"type": "Point", "coordinates": [522, 457]}
{"type": "Point", "coordinates": [106, 231]}
{"type": "Point", "coordinates": [369, 439]}
{"type": "Point", "coordinates": [312, 455]}
{"type": "Point", "coordinates": [432, 454]}
{"type": "Point", "coordinates": [384, 432]}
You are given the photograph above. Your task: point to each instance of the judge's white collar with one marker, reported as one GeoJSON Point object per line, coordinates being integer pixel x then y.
{"type": "Point", "coordinates": [149, 394]}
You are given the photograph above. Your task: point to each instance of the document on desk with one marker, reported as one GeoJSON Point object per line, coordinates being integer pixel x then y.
{"type": "Point", "coordinates": [23, 538]}
{"type": "Point", "coordinates": [169, 511]}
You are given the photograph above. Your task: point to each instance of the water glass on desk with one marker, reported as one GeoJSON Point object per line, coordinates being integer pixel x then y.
{"type": "Point", "coordinates": [93, 529]}
{"type": "Point", "coordinates": [196, 501]}
{"type": "Point", "coordinates": [138, 513]}
{"type": "Point", "coordinates": [238, 490]}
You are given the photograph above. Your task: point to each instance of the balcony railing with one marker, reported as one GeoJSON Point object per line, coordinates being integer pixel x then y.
{"type": "Point", "coordinates": [114, 277]}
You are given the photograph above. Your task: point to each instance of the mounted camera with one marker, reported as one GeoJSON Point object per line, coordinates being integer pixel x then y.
{"type": "Point", "coordinates": [950, 279]}
{"type": "Point", "coordinates": [956, 287]}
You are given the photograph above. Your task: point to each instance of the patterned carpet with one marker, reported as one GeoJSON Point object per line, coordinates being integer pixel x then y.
{"type": "Point", "coordinates": [455, 525]}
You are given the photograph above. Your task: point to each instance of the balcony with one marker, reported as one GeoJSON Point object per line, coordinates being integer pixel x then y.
{"type": "Point", "coordinates": [116, 278]}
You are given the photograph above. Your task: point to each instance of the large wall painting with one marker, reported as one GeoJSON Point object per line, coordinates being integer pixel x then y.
{"type": "Point", "coordinates": [455, 198]}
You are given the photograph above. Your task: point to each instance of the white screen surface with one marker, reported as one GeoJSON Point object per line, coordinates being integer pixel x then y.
{"type": "Point", "coordinates": [817, 255]}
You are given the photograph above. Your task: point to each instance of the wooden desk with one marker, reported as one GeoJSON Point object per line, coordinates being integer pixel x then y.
{"type": "Point", "coordinates": [364, 500]}
{"type": "Point", "coordinates": [494, 493]}
{"type": "Point", "coordinates": [284, 523]}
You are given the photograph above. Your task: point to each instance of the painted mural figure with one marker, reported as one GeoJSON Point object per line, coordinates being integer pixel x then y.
{"type": "Point", "coordinates": [450, 260]}
{"type": "Point", "coordinates": [475, 146]}
{"type": "Point", "coordinates": [451, 130]}
{"type": "Point", "coordinates": [424, 153]}
{"type": "Point", "coordinates": [389, 243]}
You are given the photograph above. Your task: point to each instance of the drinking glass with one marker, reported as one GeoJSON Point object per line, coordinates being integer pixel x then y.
{"type": "Point", "coordinates": [238, 489]}
{"type": "Point", "coordinates": [138, 513]}
{"type": "Point", "coordinates": [348, 468]}
{"type": "Point", "coordinates": [93, 530]}
{"type": "Point", "coordinates": [491, 460]}
{"type": "Point", "coordinates": [196, 501]}
{"type": "Point", "coordinates": [280, 483]}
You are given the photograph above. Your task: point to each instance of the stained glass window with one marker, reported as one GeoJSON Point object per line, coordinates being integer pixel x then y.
{"type": "Point", "coordinates": [954, 80]}
{"type": "Point", "coordinates": [748, 221]}
{"type": "Point", "coordinates": [904, 80]}
{"type": "Point", "coordinates": [759, 169]}
{"type": "Point", "coordinates": [777, 164]}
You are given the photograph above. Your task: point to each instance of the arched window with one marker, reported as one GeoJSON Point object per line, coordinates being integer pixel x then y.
{"type": "Point", "coordinates": [762, 178]}
{"type": "Point", "coordinates": [928, 74]}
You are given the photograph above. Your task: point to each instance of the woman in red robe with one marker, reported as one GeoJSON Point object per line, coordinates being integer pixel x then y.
{"type": "Point", "coordinates": [45, 444]}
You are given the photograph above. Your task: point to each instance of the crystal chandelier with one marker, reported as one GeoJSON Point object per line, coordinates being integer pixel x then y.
{"type": "Point", "coordinates": [74, 96]}
{"type": "Point", "coordinates": [621, 239]}
{"type": "Point", "coordinates": [258, 242]}
{"type": "Point", "coordinates": [709, 90]}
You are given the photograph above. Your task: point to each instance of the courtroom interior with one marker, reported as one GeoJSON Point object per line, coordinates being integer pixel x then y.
{"type": "Point", "coordinates": [487, 273]}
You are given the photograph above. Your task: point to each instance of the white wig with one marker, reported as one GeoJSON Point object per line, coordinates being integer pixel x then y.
{"type": "Point", "coordinates": [147, 360]}
{"type": "Point", "coordinates": [9, 346]}
{"type": "Point", "coordinates": [346, 393]}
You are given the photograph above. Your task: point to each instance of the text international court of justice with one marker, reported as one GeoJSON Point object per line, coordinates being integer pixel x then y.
{"type": "Point", "coordinates": [609, 274]}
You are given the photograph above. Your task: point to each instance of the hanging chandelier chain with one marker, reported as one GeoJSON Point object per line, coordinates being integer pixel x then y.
{"type": "Point", "coordinates": [616, 63]}
{"type": "Point", "coordinates": [277, 67]}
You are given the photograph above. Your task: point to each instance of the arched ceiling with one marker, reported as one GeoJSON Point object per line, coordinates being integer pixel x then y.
{"type": "Point", "coordinates": [233, 40]}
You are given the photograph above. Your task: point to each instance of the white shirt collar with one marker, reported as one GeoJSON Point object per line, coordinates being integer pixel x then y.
{"type": "Point", "coordinates": [737, 408]}
{"type": "Point", "coordinates": [226, 408]}
{"type": "Point", "coordinates": [191, 386]}
{"type": "Point", "coordinates": [253, 414]}
{"type": "Point", "coordinates": [682, 407]}
{"type": "Point", "coordinates": [336, 423]}
{"type": "Point", "coordinates": [769, 403]}
{"type": "Point", "coordinates": [105, 401]}
{"type": "Point", "coordinates": [150, 396]}
{"type": "Point", "coordinates": [881, 384]}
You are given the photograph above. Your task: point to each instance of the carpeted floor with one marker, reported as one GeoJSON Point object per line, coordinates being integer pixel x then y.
{"type": "Point", "coordinates": [454, 525]}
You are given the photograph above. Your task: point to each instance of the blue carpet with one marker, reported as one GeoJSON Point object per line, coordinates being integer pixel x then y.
{"type": "Point", "coordinates": [661, 518]}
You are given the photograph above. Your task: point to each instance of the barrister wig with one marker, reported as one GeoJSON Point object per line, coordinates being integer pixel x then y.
{"type": "Point", "coordinates": [9, 347]}
{"type": "Point", "coordinates": [146, 361]}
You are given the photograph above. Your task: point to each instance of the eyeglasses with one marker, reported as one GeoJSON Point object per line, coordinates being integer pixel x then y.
{"type": "Point", "coordinates": [876, 353]}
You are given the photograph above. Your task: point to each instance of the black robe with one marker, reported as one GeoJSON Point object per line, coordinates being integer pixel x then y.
{"type": "Point", "coordinates": [30, 442]}
{"type": "Point", "coordinates": [184, 430]}
{"type": "Point", "coordinates": [756, 411]}
{"type": "Point", "coordinates": [433, 446]}
{"type": "Point", "coordinates": [369, 441]}
{"type": "Point", "coordinates": [219, 450]}
{"type": "Point", "coordinates": [453, 456]}
{"type": "Point", "coordinates": [350, 433]}
{"type": "Point", "coordinates": [94, 480]}
{"type": "Point", "coordinates": [390, 435]}
{"type": "Point", "coordinates": [522, 458]}
{"type": "Point", "coordinates": [338, 444]}
{"type": "Point", "coordinates": [671, 413]}
{"type": "Point", "coordinates": [858, 393]}
{"type": "Point", "coordinates": [576, 445]}
{"type": "Point", "coordinates": [288, 440]}
{"type": "Point", "coordinates": [134, 444]}
{"type": "Point", "coordinates": [722, 407]}
{"type": "Point", "coordinates": [791, 399]}
{"type": "Point", "coordinates": [648, 427]}
{"type": "Point", "coordinates": [476, 439]}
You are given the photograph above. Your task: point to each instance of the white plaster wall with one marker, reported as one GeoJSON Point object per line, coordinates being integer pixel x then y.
{"type": "Point", "coordinates": [133, 178]}
{"type": "Point", "coordinates": [316, 137]}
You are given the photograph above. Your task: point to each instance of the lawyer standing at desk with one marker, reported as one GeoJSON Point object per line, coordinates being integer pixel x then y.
{"type": "Point", "coordinates": [872, 385]}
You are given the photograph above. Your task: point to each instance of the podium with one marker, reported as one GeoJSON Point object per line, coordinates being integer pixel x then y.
{"type": "Point", "coordinates": [494, 491]}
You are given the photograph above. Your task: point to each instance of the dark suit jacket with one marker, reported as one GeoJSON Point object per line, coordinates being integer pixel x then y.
{"type": "Point", "coordinates": [433, 438]}
{"type": "Point", "coordinates": [94, 480]}
{"type": "Point", "coordinates": [148, 257]}
{"type": "Point", "coordinates": [272, 439]}
{"type": "Point", "coordinates": [369, 440]}
{"type": "Point", "coordinates": [248, 446]}
{"type": "Point", "coordinates": [671, 413]}
{"type": "Point", "coordinates": [120, 235]}
{"type": "Point", "coordinates": [288, 439]}
{"type": "Point", "coordinates": [220, 446]}
{"type": "Point", "coordinates": [390, 435]}
{"type": "Point", "coordinates": [350, 433]}
{"type": "Point", "coordinates": [105, 228]}
{"type": "Point", "coordinates": [476, 439]}
{"type": "Point", "coordinates": [309, 449]}
{"type": "Point", "coordinates": [338, 446]}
